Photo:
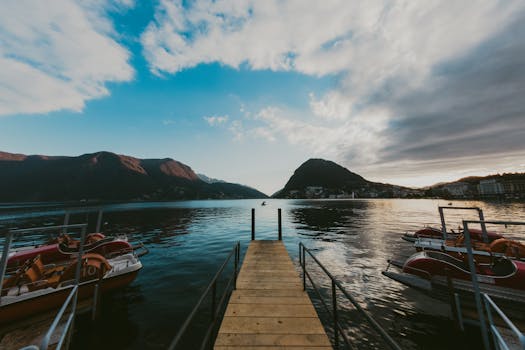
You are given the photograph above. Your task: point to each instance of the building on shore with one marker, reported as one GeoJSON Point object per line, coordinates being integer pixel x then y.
{"type": "Point", "coordinates": [504, 186]}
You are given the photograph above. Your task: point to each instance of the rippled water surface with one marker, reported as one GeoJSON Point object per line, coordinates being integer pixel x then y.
{"type": "Point", "coordinates": [189, 240]}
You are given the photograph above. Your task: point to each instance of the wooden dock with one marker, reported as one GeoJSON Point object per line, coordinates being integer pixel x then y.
{"type": "Point", "coordinates": [269, 309]}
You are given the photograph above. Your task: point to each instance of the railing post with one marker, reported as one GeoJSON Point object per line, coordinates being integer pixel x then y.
{"type": "Point", "coordinates": [334, 303]}
{"type": "Point", "coordinates": [99, 221]}
{"type": "Point", "coordinates": [300, 257]}
{"type": "Point", "coordinates": [458, 312]}
{"type": "Point", "coordinates": [5, 256]}
{"type": "Point", "coordinates": [213, 296]}
{"type": "Point", "coordinates": [304, 269]}
{"type": "Point", "coordinates": [253, 224]}
{"type": "Point", "coordinates": [477, 293]}
{"type": "Point", "coordinates": [72, 325]}
{"type": "Point", "coordinates": [77, 282]}
{"type": "Point", "coordinates": [280, 224]}
{"type": "Point", "coordinates": [80, 253]}
{"type": "Point", "coordinates": [443, 223]}
{"type": "Point", "coordinates": [489, 311]}
{"type": "Point", "coordinates": [483, 226]}
{"type": "Point", "coordinates": [236, 264]}
{"type": "Point", "coordinates": [66, 222]}
{"type": "Point", "coordinates": [96, 296]}
{"type": "Point", "coordinates": [452, 299]}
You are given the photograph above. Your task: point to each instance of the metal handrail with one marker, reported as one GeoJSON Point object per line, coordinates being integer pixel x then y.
{"type": "Point", "coordinates": [71, 299]}
{"type": "Point", "coordinates": [334, 312]}
{"type": "Point", "coordinates": [48, 228]}
{"type": "Point", "coordinates": [498, 339]}
{"type": "Point", "coordinates": [480, 215]}
{"type": "Point", "coordinates": [473, 274]}
{"type": "Point", "coordinates": [212, 287]}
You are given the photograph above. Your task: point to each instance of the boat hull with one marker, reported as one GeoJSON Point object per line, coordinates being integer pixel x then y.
{"type": "Point", "coordinates": [54, 299]}
{"type": "Point", "coordinates": [439, 288]}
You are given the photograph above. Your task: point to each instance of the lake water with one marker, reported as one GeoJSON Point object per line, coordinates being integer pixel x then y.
{"type": "Point", "coordinates": [189, 240]}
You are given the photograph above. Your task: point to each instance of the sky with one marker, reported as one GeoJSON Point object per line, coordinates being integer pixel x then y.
{"type": "Point", "coordinates": [404, 92]}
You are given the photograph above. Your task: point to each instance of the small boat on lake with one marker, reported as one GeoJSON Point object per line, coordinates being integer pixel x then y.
{"type": "Point", "coordinates": [444, 234]}
{"type": "Point", "coordinates": [484, 252]}
{"type": "Point", "coordinates": [436, 233]}
{"type": "Point", "coordinates": [438, 274]}
{"type": "Point", "coordinates": [64, 248]}
{"type": "Point", "coordinates": [36, 287]}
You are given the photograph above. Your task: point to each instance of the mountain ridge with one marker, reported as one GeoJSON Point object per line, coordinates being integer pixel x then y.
{"type": "Point", "coordinates": [106, 176]}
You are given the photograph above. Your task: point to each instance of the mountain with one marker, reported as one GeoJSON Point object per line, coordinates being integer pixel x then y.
{"type": "Point", "coordinates": [106, 176]}
{"type": "Point", "coordinates": [319, 178]}
{"type": "Point", "coordinates": [209, 180]}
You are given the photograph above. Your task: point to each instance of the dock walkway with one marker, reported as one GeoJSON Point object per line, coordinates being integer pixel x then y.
{"type": "Point", "coordinates": [269, 309]}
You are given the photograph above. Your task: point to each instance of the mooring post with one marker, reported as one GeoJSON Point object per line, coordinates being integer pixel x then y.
{"type": "Point", "coordinates": [253, 224]}
{"type": "Point", "coordinates": [280, 224]}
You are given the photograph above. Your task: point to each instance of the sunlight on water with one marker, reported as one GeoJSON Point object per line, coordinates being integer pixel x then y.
{"type": "Point", "coordinates": [189, 240]}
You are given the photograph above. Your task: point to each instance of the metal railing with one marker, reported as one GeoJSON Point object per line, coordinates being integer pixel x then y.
{"type": "Point", "coordinates": [333, 311]}
{"type": "Point", "coordinates": [65, 336]}
{"type": "Point", "coordinates": [473, 274]}
{"type": "Point", "coordinates": [499, 341]}
{"type": "Point", "coordinates": [216, 308]}
{"type": "Point", "coordinates": [480, 214]}
{"type": "Point", "coordinates": [67, 331]}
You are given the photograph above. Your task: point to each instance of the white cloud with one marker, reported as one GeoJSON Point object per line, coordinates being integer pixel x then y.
{"type": "Point", "coordinates": [216, 120]}
{"type": "Point", "coordinates": [333, 106]}
{"type": "Point", "coordinates": [57, 55]}
{"type": "Point", "coordinates": [361, 134]}
{"type": "Point", "coordinates": [237, 129]}
{"type": "Point", "coordinates": [372, 40]}
{"type": "Point", "coordinates": [263, 133]}
{"type": "Point", "coordinates": [374, 47]}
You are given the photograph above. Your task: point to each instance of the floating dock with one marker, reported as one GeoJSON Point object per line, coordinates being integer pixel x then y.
{"type": "Point", "coordinates": [269, 309]}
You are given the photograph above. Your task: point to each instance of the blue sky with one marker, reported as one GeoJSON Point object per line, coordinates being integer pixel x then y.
{"type": "Point", "coordinates": [406, 93]}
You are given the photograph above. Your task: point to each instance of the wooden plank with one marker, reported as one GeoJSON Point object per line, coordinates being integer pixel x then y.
{"type": "Point", "coordinates": [235, 347]}
{"type": "Point", "coordinates": [267, 274]}
{"type": "Point", "coordinates": [302, 340]}
{"type": "Point", "coordinates": [269, 293]}
{"type": "Point", "coordinates": [272, 325]}
{"type": "Point", "coordinates": [270, 300]}
{"type": "Point", "coordinates": [269, 309]}
{"type": "Point", "coordinates": [263, 310]}
{"type": "Point", "coordinates": [268, 285]}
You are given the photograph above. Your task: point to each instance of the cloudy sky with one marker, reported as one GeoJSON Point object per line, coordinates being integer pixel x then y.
{"type": "Point", "coordinates": [405, 92]}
